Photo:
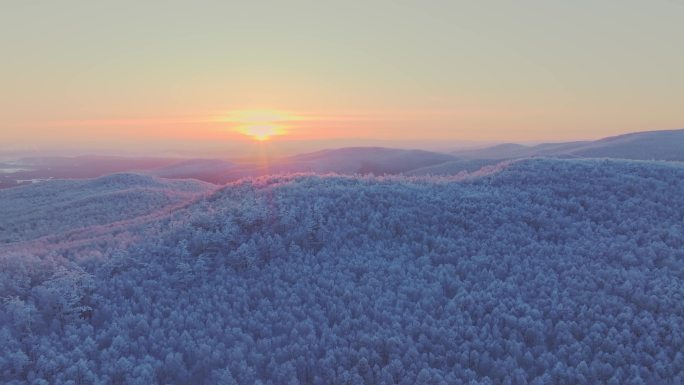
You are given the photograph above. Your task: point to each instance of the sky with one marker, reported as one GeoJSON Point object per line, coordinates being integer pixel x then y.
{"type": "Point", "coordinates": [220, 77]}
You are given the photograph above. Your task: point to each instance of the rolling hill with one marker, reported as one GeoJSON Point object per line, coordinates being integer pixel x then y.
{"type": "Point", "coordinates": [653, 145]}
{"type": "Point", "coordinates": [58, 206]}
{"type": "Point", "coordinates": [540, 271]}
{"type": "Point", "coordinates": [650, 145]}
{"type": "Point", "coordinates": [365, 160]}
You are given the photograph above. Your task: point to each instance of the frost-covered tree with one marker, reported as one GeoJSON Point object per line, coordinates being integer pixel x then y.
{"type": "Point", "coordinates": [539, 272]}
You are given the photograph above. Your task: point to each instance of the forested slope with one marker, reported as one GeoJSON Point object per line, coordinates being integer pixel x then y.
{"type": "Point", "coordinates": [53, 207]}
{"type": "Point", "coordinates": [540, 272]}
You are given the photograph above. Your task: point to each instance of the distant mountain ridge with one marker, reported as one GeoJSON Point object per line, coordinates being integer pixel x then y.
{"type": "Point", "coordinates": [647, 145]}
{"type": "Point", "coordinates": [650, 145]}
{"type": "Point", "coordinates": [366, 160]}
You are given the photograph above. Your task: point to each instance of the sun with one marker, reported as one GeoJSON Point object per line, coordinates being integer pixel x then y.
{"type": "Point", "coordinates": [261, 131]}
{"type": "Point", "coordinates": [260, 125]}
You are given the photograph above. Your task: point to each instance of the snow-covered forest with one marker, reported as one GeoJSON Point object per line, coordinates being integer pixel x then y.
{"type": "Point", "coordinates": [532, 272]}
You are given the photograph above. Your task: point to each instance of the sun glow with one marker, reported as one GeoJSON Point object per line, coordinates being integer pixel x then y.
{"type": "Point", "coordinates": [260, 125]}
{"type": "Point", "coordinates": [261, 131]}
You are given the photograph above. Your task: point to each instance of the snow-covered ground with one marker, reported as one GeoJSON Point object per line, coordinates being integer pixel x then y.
{"type": "Point", "coordinates": [533, 272]}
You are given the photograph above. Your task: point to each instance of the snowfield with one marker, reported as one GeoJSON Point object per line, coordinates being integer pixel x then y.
{"type": "Point", "coordinates": [534, 272]}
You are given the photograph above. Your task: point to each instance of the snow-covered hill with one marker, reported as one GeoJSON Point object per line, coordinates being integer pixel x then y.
{"type": "Point", "coordinates": [453, 167]}
{"type": "Point", "coordinates": [536, 272]}
{"type": "Point", "coordinates": [57, 206]}
{"type": "Point", "coordinates": [654, 145]}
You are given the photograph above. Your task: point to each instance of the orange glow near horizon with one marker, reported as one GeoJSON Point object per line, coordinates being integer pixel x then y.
{"type": "Point", "coordinates": [231, 76]}
{"type": "Point", "coordinates": [261, 131]}
{"type": "Point", "coordinates": [261, 124]}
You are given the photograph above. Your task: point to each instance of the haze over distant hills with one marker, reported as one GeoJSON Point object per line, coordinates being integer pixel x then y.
{"type": "Point", "coordinates": [350, 160]}
{"type": "Point", "coordinates": [652, 145]}
{"type": "Point", "coordinates": [649, 145]}
{"type": "Point", "coordinates": [33, 169]}
{"type": "Point", "coordinates": [511, 264]}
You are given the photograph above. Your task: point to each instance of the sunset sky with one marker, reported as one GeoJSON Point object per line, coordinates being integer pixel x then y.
{"type": "Point", "coordinates": [215, 77]}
